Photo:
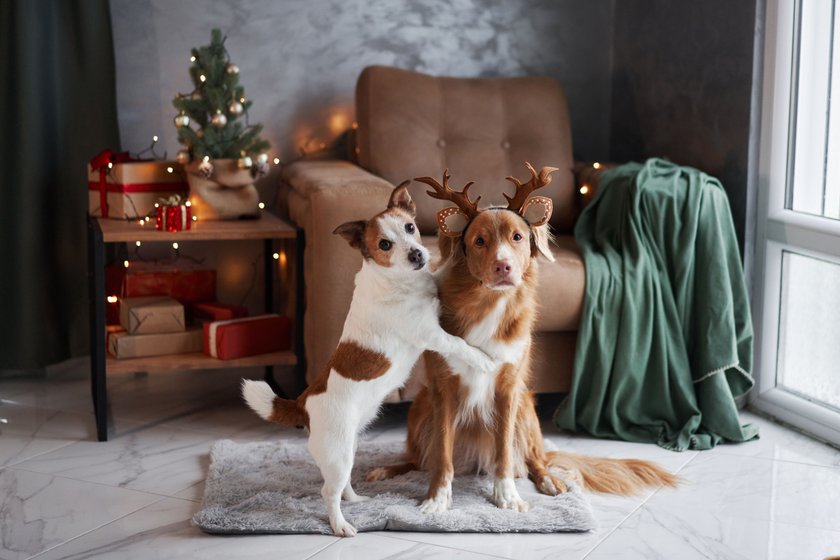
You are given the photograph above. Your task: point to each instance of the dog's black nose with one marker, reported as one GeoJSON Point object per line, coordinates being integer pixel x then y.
{"type": "Point", "coordinates": [415, 257]}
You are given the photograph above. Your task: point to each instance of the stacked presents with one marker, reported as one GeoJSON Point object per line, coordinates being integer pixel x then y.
{"type": "Point", "coordinates": [172, 310]}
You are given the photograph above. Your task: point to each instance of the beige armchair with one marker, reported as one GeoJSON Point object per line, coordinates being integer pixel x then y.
{"type": "Point", "coordinates": [410, 125]}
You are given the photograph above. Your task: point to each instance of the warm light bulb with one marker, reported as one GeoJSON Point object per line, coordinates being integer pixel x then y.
{"type": "Point", "coordinates": [137, 243]}
{"type": "Point", "coordinates": [112, 299]}
{"type": "Point", "coordinates": [154, 138]}
{"type": "Point", "coordinates": [147, 218]}
{"type": "Point", "coordinates": [142, 222]}
{"type": "Point", "coordinates": [276, 256]}
{"type": "Point", "coordinates": [110, 165]}
{"type": "Point", "coordinates": [242, 100]}
{"type": "Point", "coordinates": [206, 159]}
{"type": "Point", "coordinates": [277, 161]}
{"type": "Point", "coordinates": [188, 204]}
{"type": "Point", "coordinates": [157, 205]}
{"type": "Point", "coordinates": [175, 245]}
{"type": "Point", "coordinates": [596, 165]}
{"type": "Point", "coordinates": [125, 264]}
{"type": "Point", "coordinates": [261, 205]}
{"type": "Point", "coordinates": [195, 218]}
{"type": "Point", "coordinates": [192, 58]}
{"type": "Point", "coordinates": [584, 189]}
{"type": "Point", "coordinates": [169, 169]}
{"type": "Point", "coordinates": [203, 78]}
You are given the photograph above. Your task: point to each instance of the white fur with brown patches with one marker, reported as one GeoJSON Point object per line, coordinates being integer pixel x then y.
{"type": "Point", "coordinates": [393, 318]}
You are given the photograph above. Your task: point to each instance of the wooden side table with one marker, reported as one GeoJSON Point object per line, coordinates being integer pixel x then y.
{"type": "Point", "coordinates": [267, 228]}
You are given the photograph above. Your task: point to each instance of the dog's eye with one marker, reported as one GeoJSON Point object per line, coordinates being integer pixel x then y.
{"type": "Point", "coordinates": [517, 236]}
{"type": "Point", "coordinates": [385, 245]}
{"type": "Point", "coordinates": [409, 228]}
{"type": "Point", "coordinates": [479, 241]}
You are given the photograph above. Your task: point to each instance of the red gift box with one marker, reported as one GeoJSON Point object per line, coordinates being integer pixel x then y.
{"type": "Point", "coordinates": [122, 187]}
{"type": "Point", "coordinates": [173, 217]}
{"type": "Point", "coordinates": [215, 311]}
{"type": "Point", "coordinates": [238, 338]}
{"type": "Point", "coordinates": [184, 282]}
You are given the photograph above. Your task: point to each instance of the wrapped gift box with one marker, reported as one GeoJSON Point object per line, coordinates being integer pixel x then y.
{"type": "Point", "coordinates": [215, 311]}
{"type": "Point", "coordinates": [237, 338]}
{"type": "Point", "coordinates": [123, 345]}
{"type": "Point", "coordinates": [151, 315]}
{"type": "Point", "coordinates": [131, 188]}
{"type": "Point", "coordinates": [183, 281]}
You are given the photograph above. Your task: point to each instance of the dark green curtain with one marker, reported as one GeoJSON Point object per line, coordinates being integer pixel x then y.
{"type": "Point", "coordinates": [57, 110]}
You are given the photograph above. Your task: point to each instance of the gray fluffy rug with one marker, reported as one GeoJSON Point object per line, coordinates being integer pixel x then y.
{"type": "Point", "coordinates": [274, 487]}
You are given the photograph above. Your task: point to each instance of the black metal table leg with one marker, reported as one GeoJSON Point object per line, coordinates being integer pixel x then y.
{"type": "Point", "coordinates": [96, 270]}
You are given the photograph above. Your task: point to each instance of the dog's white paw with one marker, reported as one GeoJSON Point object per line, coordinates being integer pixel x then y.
{"type": "Point", "coordinates": [356, 498]}
{"type": "Point", "coordinates": [481, 361]}
{"type": "Point", "coordinates": [342, 529]}
{"type": "Point", "coordinates": [441, 501]}
{"type": "Point", "coordinates": [506, 496]}
{"type": "Point", "coordinates": [349, 495]}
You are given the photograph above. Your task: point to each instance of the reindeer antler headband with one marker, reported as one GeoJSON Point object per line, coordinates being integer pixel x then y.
{"type": "Point", "coordinates": [454, 220]}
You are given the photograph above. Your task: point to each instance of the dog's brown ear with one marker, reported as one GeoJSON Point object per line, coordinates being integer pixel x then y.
{"type": "Point", "coordinates": [541, 239]}
{"type": "Point", "coordinates": [353, 232]}
{"type": "Point", "coordinates": [401, 199]}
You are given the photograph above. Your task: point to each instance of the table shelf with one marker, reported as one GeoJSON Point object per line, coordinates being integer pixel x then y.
{"type": "Point", "coordinates": [196, 360]}
{"type": "Point", "coordinates": [267, 228]}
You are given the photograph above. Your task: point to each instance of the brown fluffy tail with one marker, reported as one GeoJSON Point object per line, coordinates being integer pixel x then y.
{"type": "Point", "coordinates": [269, 406]}
{"type": "Point", "coordinates": [612, 476]}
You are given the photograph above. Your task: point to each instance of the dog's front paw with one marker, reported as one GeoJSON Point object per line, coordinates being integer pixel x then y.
{"type": "Point", "coordinates": [441, 501]}
{"type": "Point", "coordinates": [341, 528]}
{"type": "Point", "coordinates": [379, 473]}
{"type": "Point", "coordinates": [506, 496]}
{"type": "Point", "coordinates": [480, 361]}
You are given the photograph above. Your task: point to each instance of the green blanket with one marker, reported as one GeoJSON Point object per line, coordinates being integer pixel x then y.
{"type": "Point", "coordinates": [665, 339]}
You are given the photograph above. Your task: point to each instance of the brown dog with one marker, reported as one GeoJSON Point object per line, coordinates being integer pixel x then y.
{"type": "Point", "coordinates": [488, 423]}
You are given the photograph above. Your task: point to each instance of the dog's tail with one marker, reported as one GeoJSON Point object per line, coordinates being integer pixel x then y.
{"type": "Point", "coordinates": [612, 476]}
{"type": "Point", "coordinates": [269, 406]}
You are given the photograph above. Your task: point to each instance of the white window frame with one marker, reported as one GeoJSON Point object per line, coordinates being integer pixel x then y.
{"type": "Point", "coordinates": [779, 229]}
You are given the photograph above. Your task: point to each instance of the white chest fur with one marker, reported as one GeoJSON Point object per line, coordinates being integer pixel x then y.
{"type": "Point", "coordinates": [480, 387]}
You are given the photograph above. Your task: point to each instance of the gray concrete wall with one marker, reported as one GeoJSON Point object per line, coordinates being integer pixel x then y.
{"type": "Point", "coordinates": [299, 60]}
{"type": "Point", "coordinates": [682, 89]}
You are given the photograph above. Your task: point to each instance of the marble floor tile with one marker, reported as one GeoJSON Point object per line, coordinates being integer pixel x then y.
{"type": "Point", "coordinates": [781, 443]}
{"type": "Point", "coordinates": [371, 546]}
{"type": "Point", "coordinates": [736, 507]}
{"type": "Point", "coordinates": [26, 432]}
{"type": "Point", "coordinates": [39, 511]}
{"type": "Point", "coordinates": [163, 530]}
{"type": "Point", "coordinates": [160, 460]}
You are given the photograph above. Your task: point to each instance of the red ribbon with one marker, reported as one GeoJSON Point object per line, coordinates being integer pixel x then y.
{"type": "Point", "coordinates": [100, 163]}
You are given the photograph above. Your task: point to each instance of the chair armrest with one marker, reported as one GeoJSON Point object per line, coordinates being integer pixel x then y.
{"type": "Point", "coordinates": [587, 179]}
{"type": "Point", "coordinates": [334, 177]}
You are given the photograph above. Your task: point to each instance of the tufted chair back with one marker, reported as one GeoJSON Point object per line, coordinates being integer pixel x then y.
{"type": "Point", "coordinates": [482, 129]}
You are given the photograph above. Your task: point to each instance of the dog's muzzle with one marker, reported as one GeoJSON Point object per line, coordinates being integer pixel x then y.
{"type": "Point", "coordinates": [416, 258]}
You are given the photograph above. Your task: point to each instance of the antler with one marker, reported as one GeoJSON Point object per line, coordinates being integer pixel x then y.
{"type": "Point", "coordinates": [523, 191]}
{"type": "Point", "coordinates": [444, 192]}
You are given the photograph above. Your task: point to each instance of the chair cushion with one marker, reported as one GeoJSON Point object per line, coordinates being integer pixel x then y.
{"type": "Point", "coordinates": [482, 129]}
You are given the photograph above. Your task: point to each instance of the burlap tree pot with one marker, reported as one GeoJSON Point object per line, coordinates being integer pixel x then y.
{"type": "Point", "coordinates": [227, 194]}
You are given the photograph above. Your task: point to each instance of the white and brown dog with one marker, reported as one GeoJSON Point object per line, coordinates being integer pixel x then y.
{"type": "Point", "coordinates": [488, 423]}
{"type": "Point", "coordinates": [393, 318]}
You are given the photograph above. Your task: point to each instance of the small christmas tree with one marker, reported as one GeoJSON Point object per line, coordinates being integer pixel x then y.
{"type": "Point", "coordinates": [216, 106]}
